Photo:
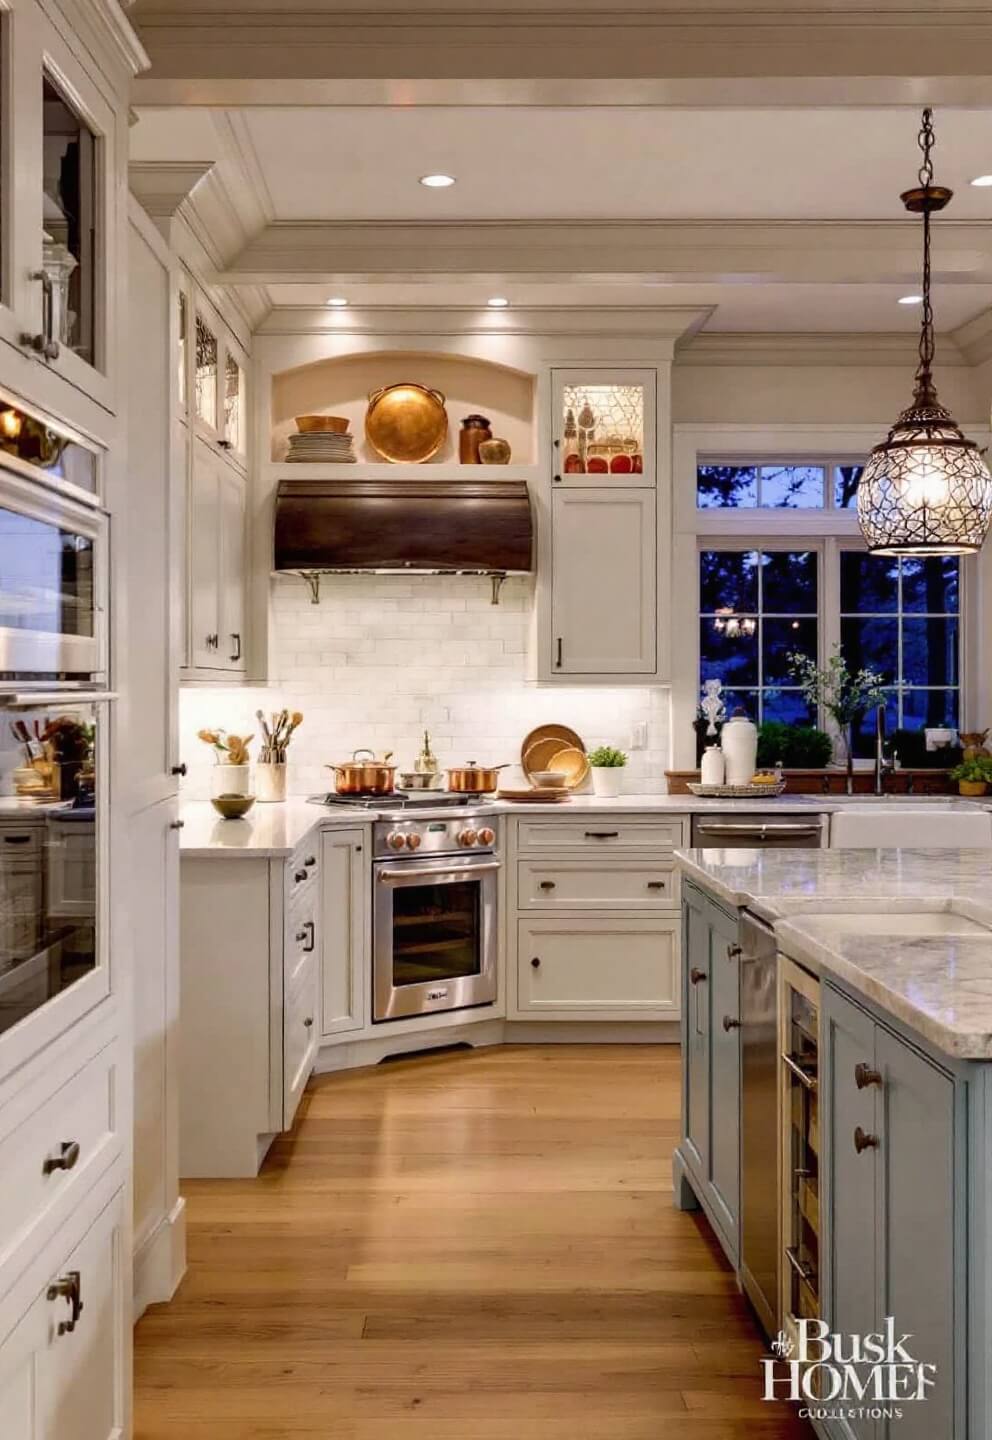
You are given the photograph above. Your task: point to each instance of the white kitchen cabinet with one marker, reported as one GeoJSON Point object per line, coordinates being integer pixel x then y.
{"type": "Point", "coordinates": [611, 968]}
{"type": "Point", "coordinates": [603, 424]}
{"type": "Point", "coordinates": [344, 909]}
{"type": "Point", "coordinates": [603, 582]}
{"type": "Point", "coordinates": [217, 552]}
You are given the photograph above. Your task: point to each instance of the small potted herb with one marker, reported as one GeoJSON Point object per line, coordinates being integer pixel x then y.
{"type": "Point", "coordinates": [607, 765]}
{"type": "Point", "coordinates": [973, 776]}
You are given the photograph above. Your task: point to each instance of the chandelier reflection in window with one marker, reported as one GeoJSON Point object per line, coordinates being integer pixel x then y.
{"type": "Point", "coordinates": [733, 626]}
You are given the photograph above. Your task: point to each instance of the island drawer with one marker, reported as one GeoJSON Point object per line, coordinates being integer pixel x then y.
{"type": "Point", "coordinates": [598, 834]}
{"type": "Point", "coordinates": [632, 883]}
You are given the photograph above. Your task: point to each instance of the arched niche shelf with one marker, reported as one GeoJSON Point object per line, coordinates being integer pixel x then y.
{"type": "Point", "coordinates": [341, 386]}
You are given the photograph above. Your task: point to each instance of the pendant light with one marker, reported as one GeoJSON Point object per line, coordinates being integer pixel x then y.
{"type": "Point", "coordinates": [926, 489]}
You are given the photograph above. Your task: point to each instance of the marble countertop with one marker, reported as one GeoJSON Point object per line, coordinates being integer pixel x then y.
{"type": "Point", "coordinates": [939, 986]}
{"type": "Point", "coordinates": [267, 832]}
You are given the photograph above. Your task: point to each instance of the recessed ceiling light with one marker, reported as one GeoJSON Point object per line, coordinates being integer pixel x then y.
{"type": "Point", "coordinates": [336, 302]}
{"type": "Point", "coordinates": [498, 302]}
{"type": "Point", "coordinates": [437, 182]}
{"type": "Point", "coordinates": [982, 181]}
{"type": "Point", "coordinates": [910, 299]}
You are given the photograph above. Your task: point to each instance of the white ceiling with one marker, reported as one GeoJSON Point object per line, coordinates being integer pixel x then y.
{"type": "Point", "coordinates": [364, 164]}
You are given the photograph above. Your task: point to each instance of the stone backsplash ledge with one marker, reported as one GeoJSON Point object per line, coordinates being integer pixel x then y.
{"type": "Point", "coordinates": [383, 657]}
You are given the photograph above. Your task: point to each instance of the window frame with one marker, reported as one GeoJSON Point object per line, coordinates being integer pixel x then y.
{"type": "Point", "coordinates": [828, 530]}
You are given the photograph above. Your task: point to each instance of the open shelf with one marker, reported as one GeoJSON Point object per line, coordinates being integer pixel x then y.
{"type": "Point", "coordinates": [292, 470]}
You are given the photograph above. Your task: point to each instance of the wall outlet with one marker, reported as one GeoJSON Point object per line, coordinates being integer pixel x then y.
{"type": "Point", "coordinates": [639, 735]}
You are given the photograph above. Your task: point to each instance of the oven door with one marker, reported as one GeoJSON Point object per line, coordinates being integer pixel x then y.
{"type": "Point", "coordinates": [434, 940]}
{"type": "Point", "coordinates": [53, 577]}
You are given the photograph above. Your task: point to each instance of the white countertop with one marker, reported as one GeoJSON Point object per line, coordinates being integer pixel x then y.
{"type": "Point", "coordinates": [267, 832]}
{"type": "Point", "coordinates": [939, 986]}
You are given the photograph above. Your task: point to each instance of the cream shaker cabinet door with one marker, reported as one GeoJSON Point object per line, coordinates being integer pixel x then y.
{"type": "Point", "coordinates": [204, 558]}
{"type": "Point", "coordinates": [343, 951]}
{"type": "Point", "coordinates": [599, 968]}
{"type": "Point", "coordinates": [232, 502]}
{"type": "Point", "coordinates": [604, 583]}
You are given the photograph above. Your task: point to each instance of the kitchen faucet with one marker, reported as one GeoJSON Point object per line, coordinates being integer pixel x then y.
{"type": "Point", "coordinates": [884, 765]}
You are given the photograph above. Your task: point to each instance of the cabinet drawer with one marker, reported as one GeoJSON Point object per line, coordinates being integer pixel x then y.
{"type": "Point", "coordinates": [606, 968]}
{"type": "Point", "coordinates": [300, 1037]}
{"type": "Point", "coordinates": [49, 1157]}
{"type": "Point", "coordinates": [628, 884]}
{"type": "Point", "coordinates": [301, 938]}
{"type": "Point", "coordinates": [600, 834]}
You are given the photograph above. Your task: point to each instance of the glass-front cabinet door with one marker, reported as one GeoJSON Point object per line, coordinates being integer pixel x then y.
{"type": "Point", "coordinates": [56, 228]}
{"type": "Point", "coordinates": [603, 427]}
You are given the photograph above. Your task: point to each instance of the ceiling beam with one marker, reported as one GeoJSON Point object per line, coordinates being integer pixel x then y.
{"type": "Point", "coordinates": [656, 251]}
{"type": "Point", "coordinates": [656, 52]}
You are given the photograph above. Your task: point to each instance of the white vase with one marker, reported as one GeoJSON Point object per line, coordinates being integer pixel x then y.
{"type": "Point", "coordinates": [739, 743]}
{"type": "Point", "coordinates": [270, 781]}
{"type": "Point", "coordinates": [606, 780]}
{"type": "Point", "coordinates": [712, 770]}
{"type": "Point", "coordinates": [230, 780]}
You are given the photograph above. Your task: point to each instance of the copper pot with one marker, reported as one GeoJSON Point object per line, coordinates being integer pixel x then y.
{"type": "Point", "coordinates": [364, 777]}
{"type": "Point", "coordinates": [473, 779]}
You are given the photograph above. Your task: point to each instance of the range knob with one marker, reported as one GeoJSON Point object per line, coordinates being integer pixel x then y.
{"type": "Point", "coordinates": [467, 838]}
{"type": "Point", "coordinates": [486, 836]}
{"type": "Point", "coordinates": [413, 841]}
{"type": "Point", "coordinates": [395, 841]}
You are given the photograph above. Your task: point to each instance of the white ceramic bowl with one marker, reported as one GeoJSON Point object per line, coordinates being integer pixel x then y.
{"type": "Point", "coordinates": [550, 779]}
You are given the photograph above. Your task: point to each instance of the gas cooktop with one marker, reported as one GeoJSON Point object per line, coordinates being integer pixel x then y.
{"type": "Point", "coordinates": [403, 800]}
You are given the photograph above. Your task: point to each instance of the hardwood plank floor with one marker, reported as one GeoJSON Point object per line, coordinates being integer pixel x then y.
{"type": "Point", "coordinates": [478, 1244]}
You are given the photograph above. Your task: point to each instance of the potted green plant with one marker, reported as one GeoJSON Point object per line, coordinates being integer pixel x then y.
{"type": "Point", "coordinates": [606, 765]}
{"type": "Point", "coordinates": [844, 694]}
{"type": "Point", "coordinates": [973, 776]}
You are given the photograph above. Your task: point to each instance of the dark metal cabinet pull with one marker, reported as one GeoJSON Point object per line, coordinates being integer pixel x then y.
{"type": "Point", "coordinates": [68, 1287]}
{"type": "Point", "coordinates": [308, 1022]}
{"type": "Point", "coordinates": [536, 963]}
{"type": "Point", "coordinates": [656, 884]}
{"type": "Point", "coordinates": [300, 876]}
{"type": "Point", "coordinates": [212, 642]}
{"type": "Point", "coordinates": [547, 884]}
{"type": "Point", "coordinates": [306, 937]}
{"type": "Point", "coordinates": [310, 860]}
{"type": "Point", "coordinates": [558, 661]}
{"type": "Point", "coordinates": [864, 1076]}
{"type": "Point", "coordinates": [65, 1160]}
{"type": "Point", "coordinates": [864, 1142]}
{"type": "Point", "coordinates": [236, 640]}
{"type": "Point", "coordinates": [17, 839]}
{"type": "Point", "coordinates": [729, 1023]}
{"type": "Point", "coordinates": [602, 834]}
{"type": "Point", "coordinates": [179, 769]}
{"type": "Point", "coordinates": [734, 952]}
{"type": "Point", "coordinates": [176, 824]}
{"type": "Point", "coordinates": [696, 975]}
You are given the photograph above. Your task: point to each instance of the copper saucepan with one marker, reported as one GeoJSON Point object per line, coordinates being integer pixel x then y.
{"type": "Point", "coordinates": [474, 779]}
{"type": "Point", "coordinates": [364, 777]}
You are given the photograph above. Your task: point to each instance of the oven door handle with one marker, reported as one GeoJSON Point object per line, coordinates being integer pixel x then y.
{"type": "Point", "coordinates": [30, 700]}
{"type": "Point", "coordinates": [386, 877]}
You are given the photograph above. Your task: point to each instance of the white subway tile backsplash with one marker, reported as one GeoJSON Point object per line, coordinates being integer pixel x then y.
{"type": "Point", "coordinates": [383, 657]}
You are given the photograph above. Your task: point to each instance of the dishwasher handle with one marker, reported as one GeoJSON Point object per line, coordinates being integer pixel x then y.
{"type": "Point", "coordinates": [756, 831]}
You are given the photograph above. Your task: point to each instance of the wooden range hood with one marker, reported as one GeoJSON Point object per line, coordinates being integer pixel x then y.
{"type": "Point", "coordinates": [434, 526]}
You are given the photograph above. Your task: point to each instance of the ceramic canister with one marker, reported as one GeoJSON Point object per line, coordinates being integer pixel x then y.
{"type": "Point", "coordinates": [739, 742]}
{"type": "Point", "coordinates": [712, 770]}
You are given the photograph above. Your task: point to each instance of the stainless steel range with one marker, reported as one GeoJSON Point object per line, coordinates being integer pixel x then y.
{"type": "Point", "coordinates": [435, 868]}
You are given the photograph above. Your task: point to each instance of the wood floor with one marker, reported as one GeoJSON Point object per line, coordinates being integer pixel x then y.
{"type": "Point", "coordinates": [471, 1246]}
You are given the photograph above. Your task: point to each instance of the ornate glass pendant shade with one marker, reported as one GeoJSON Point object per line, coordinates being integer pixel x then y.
{"type": "Point", "coordinates": [926, 489]}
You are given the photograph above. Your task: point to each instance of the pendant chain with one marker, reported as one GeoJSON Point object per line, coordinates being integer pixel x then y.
{"type": "Point", "coordinates": [927, 346]}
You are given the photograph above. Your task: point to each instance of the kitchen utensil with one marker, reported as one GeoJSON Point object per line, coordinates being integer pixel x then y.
{"type": "Point", "coordinates": [232, 807]}
{"type": "Point", "coordinates": [420, 780]}
{"type": "Point", "coordinates": [364, 777]}
{"type": "Point", "coordinates": [406, 423]}
{"type": "Point", "coordinates": [322, 424]}
{"type": "Point", "coordinates": [474, 779]}
{"type": "Point", "coordinates": [549, 779]}
{"type": "Point", "coordinates": [495, 451]}
{"type": "Point", "coordinates": [475, 429]}
{"type": "Point", "coordinates": [543, 796]}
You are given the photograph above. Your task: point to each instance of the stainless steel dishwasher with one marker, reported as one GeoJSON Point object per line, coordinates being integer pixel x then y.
{"type": "Point", "coordinates": [736, 831]}
{"type": "Point", "coordinates": [759, 1119]}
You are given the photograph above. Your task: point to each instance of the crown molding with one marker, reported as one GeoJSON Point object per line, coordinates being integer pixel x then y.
{"type": "Point", "coordinates": [811, 349]}
{"type": "Point", "coordinates": [660, 251]}
{"type": "Point", "coordinates": [109, 32]}
{"type": "Point", "coordinates": [666, 324]}
{"type": "Point", "coordinates": [163, 185]}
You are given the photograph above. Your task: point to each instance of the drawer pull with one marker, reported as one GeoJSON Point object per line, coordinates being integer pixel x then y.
{"type": "Point", "coordinates": [864, 1142]}
{"type": "Point", "coordinates": [308, 1021]}
{"type": "Point", "coordinates": [602, 834]}
{"type": "Point", "coordinates": [734, 952]}
{"type": "Point", "coordinates": [696, 975]}
{"type": "Point", "coordinates": [547, 884]}
{"type": "Point", "coordinates": [64, 1160]}
{"type": "Point", "coordinates": [69, 1288]}
{"type": "Point", "coordinates": [729, 1023]}
{"type": "Point", "coordinates": [864, 1076]}
{"type": "Point", "coordinates": [656, 884]}
{"type": "Point", "coordinates": [306, 937]}
{"type": "Point", "coordinates": [310, 860]}
{"type": "Point", "coordinates": [17, 839]}
{"type": "Point", "coordinates": [536, 963]}
{"type": "Point", "coordinates": [300, 876]}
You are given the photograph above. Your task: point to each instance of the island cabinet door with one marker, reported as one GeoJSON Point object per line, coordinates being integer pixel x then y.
{"type": "Point", "coordinates": [696, 1033]}
{"type": "Point", "coordinates": [725, 1073]}
{"type": "Point", "coordinates": [916, 1227]}
{"type": "Point", "coordinates": [848, 1173]}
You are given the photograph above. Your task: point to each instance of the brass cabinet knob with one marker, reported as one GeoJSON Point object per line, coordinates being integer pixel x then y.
{"type": "Point", "coordinates": [864, 1142]}
{"type": "Point", "coordinates": [864, 1076]}
{"type": "Point", "coordinates": [696, 975]}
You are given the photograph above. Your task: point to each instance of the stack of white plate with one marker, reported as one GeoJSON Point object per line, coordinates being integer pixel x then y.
{"type": "Point", "coordinates": [321, 447]}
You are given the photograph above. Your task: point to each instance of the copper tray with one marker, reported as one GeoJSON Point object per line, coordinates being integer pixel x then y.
{"type": "Point", "coordinates": [406, 423]}
{"type": "Point", "coordinates": [542, 745]}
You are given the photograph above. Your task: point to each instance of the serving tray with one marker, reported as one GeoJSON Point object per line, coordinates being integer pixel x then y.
{"type": "Point", "coordinates": [736, 792]}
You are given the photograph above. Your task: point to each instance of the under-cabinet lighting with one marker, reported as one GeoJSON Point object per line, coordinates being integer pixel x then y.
{"type": "Point", "coordinates": [336, 302]}
{"type": "Point", "coordinates": [437, 182]}
{"type": "Point", "coordinates": [910, 299]}
{"type": "Point", "coordinates": [498, 302]}
{"type": "Point", "coordinates": [982, 181]}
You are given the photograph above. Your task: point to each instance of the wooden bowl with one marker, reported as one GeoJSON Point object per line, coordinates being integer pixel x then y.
{"type": "Point", "coordinates": [232, 807]}
{"type": "Point", "coordinates": [321, 424]}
